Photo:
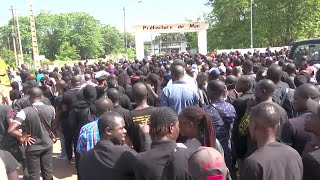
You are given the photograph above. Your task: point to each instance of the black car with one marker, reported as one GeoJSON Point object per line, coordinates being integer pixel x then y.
{"type": "Point", "coordinates": [309, 48]}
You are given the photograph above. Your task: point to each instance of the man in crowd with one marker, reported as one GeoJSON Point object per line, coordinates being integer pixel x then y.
{"type": "Point", "coordinates": [89, 133]}
{"type": "Point", "coordinates": [179, 94]}
{"type": "Point", "coordinates": [24, 72]}
{"type": "Point", "coordinates": [36, 138]}
{"type": "Point", "coordinates": [68, 100]}
{"type": "Point", "coordinates": [223, 115]}
{"type": "Point", "coordinates": [172, 162]}
{"type": "Point", "coordinates": [293, 133]}
{"type": "Point", "coordinates": [272, 160]}
{"type": "Point", "coordinates": [140, 115]}
{"type": "Point", "coordinates": [109, 158]}
{"type": "Point", "coordinates": [311, 159]}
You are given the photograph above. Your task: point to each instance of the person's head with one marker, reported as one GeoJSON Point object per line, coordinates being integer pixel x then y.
{"type": "Point", "coordinates": [214, 74]}
{"type": "Point", "coordinates": [301, 78]}
{"type": "Point", "coordinates": [87, 77]}
{"type": "Point", "coordinates": [140, 92]}
{"type": "Point", "coordinates": [207, 163]}
{"type": "Point", "coordinates": [112, 83]}
{"type": "Point", "coordinates": [194, 122]}
{"type": "Point", "coordinates": [177, 72]}
{"type": "Point", "coordinates": [216, 90]}
{"type": "Point", "coordinates": [231, 81]}
{"type": "Point", "coordinates": [153, 79]}
{"type": "Point", "coordinates": [264, 90]}
{"type": "Point", "coordinates": [76, 81]}
{"type": "Point", "coordinates": [35, 94]}
{"type": "Point", "coordinates": [202, 79]}
{"type": "Point", "coordinates": [111, 127]}
{"type": "Point", "coordinates": [103, 105]}
{"type": "Point", "coordinates": [291, 68]}
{"type": "Point", "coordinates": [247, 67]}
{"type": "Point", "coordinates": [313, 121]}
{"type": "Point", "coordinates": [14, 85]}
{"type": "Point", "coordinates": [24, 66]}
{"type": "Point", "coordinates": [114, 95]}
{"type": "Point", "coordinates": [90, 93]}
{"type": "Point", "coordinates": [60, 85]}
{"type": "Point", "coordinates": [164, 124]}
{"type": "Point", "coordinates": [274, 73]}
{"type": "Point", "coordinates": [261, 74]}
{"type": "Point", "coordinates": [302, 94]}
{"type": "Point", "coordinates": [264, 121]}
{"type": "Point", "coordinates": [244, 84]}
{"type": "Point", "coordinates": [236, 71]}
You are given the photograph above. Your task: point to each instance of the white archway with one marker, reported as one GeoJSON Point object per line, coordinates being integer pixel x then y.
{"type": "Point", "coordinates": [199, 27]}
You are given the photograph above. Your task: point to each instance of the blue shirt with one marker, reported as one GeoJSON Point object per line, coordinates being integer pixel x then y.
{"type": "Point", "coordinates": [223, 115]}
{"type": "Point", "coordinates": [88, 137]}
{"type": "Point", "coordinates": [39, 76]}
{"type": "Point", "coordinates": [178, 96]}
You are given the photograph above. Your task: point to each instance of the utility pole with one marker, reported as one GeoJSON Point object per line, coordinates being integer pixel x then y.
{"type": "Point", "coordinates": [35, 49]}
{"type": "Point", "coordinates": [251, 25]}
{"type": "Point", "coordinates": [14, 37]}
{"type": "Point", "coordinates": [125, 32]}
{"type": "Point", "coordinates": [20, 57]}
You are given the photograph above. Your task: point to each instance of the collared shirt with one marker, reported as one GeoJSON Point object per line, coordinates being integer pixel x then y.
{"type": "Point", "coordinates": [178, 96]}
{"type": "Point", "coordinates": [223, 115]}
{"type": "Point", "coordinates": [88, 137]}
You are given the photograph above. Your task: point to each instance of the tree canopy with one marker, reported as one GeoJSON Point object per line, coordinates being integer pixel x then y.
{"type": "Point", "coordinates": [67, 36]}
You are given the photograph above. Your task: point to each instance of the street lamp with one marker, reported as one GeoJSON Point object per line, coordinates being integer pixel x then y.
{"type": "Point", "coordinates": [251, 25]}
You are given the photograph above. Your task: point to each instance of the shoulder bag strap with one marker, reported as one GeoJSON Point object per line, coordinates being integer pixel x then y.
{"type": "Point", "coordinates": [284, 97]}
{"type": "Point", "coordinates": [43, 122]}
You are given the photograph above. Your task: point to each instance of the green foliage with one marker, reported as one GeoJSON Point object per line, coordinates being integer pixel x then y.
{"type": "Point", "coordinates": [275, 23]}
{"type": "Point", "coordinates": [66, 36]}
{"type": "Point", "coordinates": [8, 57]}
{"type": "Point", "coordinates": [67, 52]}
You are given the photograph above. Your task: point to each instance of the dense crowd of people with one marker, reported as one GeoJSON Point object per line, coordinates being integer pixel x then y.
{"type": "Point", "coordinates": [253, 116]}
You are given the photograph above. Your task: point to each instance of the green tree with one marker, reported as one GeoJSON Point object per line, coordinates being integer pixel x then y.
{"type": "Point", "coordinates": [112, 39]}
{"type": "Point", "coordinates": [67, 52]}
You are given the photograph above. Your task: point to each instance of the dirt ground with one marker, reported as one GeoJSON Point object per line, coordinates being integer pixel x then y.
{"type": "Point", "coordinates": [62, 169]}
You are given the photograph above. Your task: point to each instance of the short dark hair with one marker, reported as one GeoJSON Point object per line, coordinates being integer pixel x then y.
{"type": "Point", "coordinates": [217, 87]}
{"type": "Point", "coordinates": [308, 91]}
{"type": "Point", "coordinates": [139, 91]}
{"type": "Point", "coordinates": [267, 85]}
{"type": "Point", "coordinates": [265, 114]}
{"type": "Point", "coordinates": [107, 119]}
{"type": "Point", "coordinates": [113, 94]}
{"type": "Point", "coordinates": [35, 92]}
{"type": "Point", "coordinates": [161, 119]}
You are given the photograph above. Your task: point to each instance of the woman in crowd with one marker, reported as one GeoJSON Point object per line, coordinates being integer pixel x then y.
{"type": "Point", "coordinates": [154, 88]}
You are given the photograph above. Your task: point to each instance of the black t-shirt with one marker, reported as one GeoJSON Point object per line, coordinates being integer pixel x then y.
{"type": "Point", "coordinates": [24, 74]}
{"type": "Point", "coordinates": [9, 162]}
{"type": "Point", "coordinates": [134, 132]}
{"type": "Point", "coordinates": [293, 133]}
{"type": "Point", "coordinates": [311, 164]}
{"type": "Point", "coordinates": [100, 91]}
{"type": "Point", "coordinates": [34, 126]}
{"type": "Point", "coordinates": [125, 102]}
{"type": "Point", "coordinates": [125, 113]}
{"type": "Point", "coordinates": [6, 139]}
{"type": "Point", "coordinates": [273, 161]}
{"type": "Point", "coordinates": [70, 97]}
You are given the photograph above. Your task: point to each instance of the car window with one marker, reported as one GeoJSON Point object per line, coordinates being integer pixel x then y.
{"type": "Point", "coordinates": [310, 50]}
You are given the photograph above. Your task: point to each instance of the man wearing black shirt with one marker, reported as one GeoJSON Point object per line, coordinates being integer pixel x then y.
{"type": "Point", "coordinates": [36, 137]}
{"type": "Point", "coordinates": [68, 100]}
{"type": "Point", "coordinates": [272, 160]}
{"type": "Point", "coordinates": [109, 158]}
{"type": "Point", "coordinates": [139, 115]}
{"type": "Point", "coordinates": [24, 72]}
{"type": "Point", "coordinates": [164, 160]}
{"type": "Point", "coordinates": [114, 95]}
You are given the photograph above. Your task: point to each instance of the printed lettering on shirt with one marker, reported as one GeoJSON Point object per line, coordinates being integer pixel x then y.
{"type": "Point", "coordinates": [141, 119]}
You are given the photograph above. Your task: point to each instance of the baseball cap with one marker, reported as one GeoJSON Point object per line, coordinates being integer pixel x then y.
{"type": "Point", "coordinates": [206, 163]}
{"type": "Point", "coordinates": [214, 71]}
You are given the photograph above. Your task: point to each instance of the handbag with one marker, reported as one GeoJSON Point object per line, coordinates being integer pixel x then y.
{"type": "Point", "coordinates": [46, 125]}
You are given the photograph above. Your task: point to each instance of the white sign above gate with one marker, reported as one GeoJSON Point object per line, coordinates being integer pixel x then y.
{"type": "Point", "coordinates": [163, 28]}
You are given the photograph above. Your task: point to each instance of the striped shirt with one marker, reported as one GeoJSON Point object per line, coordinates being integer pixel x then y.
{"type": "Point", "coordinates": [88, 137]}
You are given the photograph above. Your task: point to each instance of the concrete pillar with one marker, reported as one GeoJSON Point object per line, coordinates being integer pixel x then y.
{"type": "Point", "coordinates": [202, 41]}
{"type": "Point", "coordinates": [139, 45]}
